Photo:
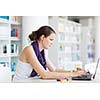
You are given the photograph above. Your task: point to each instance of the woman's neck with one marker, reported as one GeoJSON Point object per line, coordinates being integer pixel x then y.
{"type": "Point", "coordinates": [40, 46]}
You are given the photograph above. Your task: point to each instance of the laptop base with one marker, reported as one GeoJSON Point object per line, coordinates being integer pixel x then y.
{"type": "Point", "coordinates": [83, 77]}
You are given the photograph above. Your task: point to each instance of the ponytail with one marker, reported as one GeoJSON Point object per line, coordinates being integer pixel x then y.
{"type": "Point", "coordinates": [33, 36]}
{"type": "Point", "coordinates": [44, 30]}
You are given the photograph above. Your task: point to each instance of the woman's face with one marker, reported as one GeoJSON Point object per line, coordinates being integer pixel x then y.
{"type": "Point", "coordinates": [48, 41]}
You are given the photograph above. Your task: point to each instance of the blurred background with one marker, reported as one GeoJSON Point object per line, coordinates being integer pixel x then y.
{"type": "Point", "coordinates": [77, 41]}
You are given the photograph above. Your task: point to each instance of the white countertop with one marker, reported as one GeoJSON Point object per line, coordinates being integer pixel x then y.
{"type": "Point", "coordinates": [38, 80]}
{"type": "Point", "coordinates": [35, 80]}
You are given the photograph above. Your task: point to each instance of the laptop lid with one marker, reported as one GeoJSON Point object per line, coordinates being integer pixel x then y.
{"type": "Point", "coordinates": [96, 68]}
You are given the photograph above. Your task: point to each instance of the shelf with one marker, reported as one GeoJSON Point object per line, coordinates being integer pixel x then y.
{"type": "Point", "coordinates": [62, 52]}
{"type": "Point", "coordinates": [15, 39]}
{"type": "Point", "coordinates": [6, 38]}
{"type": "Point", "coordinates": [69, 42]}
{"type": "Point", "coordinates": [10, 44]}
{"type": "Point", "coordinates": [75, 52]}
{"type": "Point", "coordinates": [15, 23]}
{"type": "Point", "coordinates": [4, 55]}
{"type": "Point", "coordinates": [4, 21]}
{"type": "Point", "coordinates": [14, 55]}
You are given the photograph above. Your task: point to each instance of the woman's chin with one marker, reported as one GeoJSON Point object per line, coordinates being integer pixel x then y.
{"type": "Point", "coordinates": [46, 47]}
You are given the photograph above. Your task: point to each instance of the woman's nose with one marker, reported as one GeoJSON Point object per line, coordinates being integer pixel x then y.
{"type": "Point", "coordinates": [51, 43]}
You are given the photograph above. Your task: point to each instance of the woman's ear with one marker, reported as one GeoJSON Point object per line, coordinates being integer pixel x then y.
{"type": "Point", "coordinates": [42, 37]}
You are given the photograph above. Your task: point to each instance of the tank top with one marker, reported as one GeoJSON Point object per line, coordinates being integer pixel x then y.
{"type": "Point", "coordinates": [25, 70]}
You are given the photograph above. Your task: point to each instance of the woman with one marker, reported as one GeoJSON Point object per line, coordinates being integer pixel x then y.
{"type": "Point", "coordinates": [33, 59]}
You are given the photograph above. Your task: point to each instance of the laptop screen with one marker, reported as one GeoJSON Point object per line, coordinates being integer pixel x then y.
{"type": "Point", "coordinates": [96, 68]}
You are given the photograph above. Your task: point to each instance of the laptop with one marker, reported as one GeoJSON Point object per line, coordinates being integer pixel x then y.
{"type": "Point", "coordinates": [88, 76]}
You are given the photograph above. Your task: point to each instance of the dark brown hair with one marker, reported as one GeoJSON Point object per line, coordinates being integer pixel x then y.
{"type": "Point", "coordinates": [44, 30]}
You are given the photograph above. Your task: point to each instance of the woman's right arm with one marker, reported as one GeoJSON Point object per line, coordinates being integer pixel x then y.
{"type": "Point", "coordinates": [32, 59]}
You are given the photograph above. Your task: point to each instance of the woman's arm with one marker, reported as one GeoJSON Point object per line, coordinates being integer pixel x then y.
{"type": "Point", "coordinates": [32, 59]}
{"type": "Point", "coordinates": [51, 67]}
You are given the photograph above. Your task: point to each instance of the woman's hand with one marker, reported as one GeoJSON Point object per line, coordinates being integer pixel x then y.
{"type": "Point", "coordinates": [79, 72]}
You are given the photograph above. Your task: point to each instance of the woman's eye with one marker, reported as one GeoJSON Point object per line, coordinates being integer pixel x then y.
{"type": "Point", "coordinates": [51, 39]}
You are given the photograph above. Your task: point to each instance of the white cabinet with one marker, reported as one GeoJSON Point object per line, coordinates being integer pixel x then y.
{"type": "Point", "coordinates": [10, 44]}
{"type": "Point", "coordinates": [65, 52]}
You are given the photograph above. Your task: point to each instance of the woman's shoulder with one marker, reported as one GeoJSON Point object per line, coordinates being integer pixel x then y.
{"type": "Point", "coordinates": [24, 53]}
{"type": "Point", "coordinates": [27, 48]}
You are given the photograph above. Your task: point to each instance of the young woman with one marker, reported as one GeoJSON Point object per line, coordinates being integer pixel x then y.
{"type": "Point", "coordinates": [33, 60]}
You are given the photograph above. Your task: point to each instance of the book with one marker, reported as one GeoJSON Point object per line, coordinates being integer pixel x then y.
{"type": "Point", "coordinates": [4, 64]}
{"type": "Point", "coordinates": [14, 32]}
{"type": "Point", "coordinates": [5, 17]}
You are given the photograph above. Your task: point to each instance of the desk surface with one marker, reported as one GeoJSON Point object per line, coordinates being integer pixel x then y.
{"type": "Point", "coordinates": [37, 80]}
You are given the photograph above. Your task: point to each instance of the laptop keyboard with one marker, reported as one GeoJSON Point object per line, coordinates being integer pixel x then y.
{"type": "Point", "coordinates": [87, 76]}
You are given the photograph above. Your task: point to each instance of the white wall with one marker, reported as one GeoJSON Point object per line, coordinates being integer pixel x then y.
{"type": "Point", "coordinates": [96, 31]}
{"type": "Point", "coordinates": [87, 27]}
{"type": "Point", "coordinates": [31, 23]}
{"type": "Point", "coordinates": [97, 37]}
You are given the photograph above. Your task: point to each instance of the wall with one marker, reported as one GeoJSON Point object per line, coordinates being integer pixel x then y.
{"type": "Point", "coordinates": [31, 23]}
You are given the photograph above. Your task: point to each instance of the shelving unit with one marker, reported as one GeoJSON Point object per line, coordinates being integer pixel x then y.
{"type": "Point", "coordinates": [88, 41]}
{"type": "Point", "coordinates": [88, 45]}
{"type": "Point", "coordinates": [67, 43]}
{"type": "Point", "coordinates": [15, 40]}
{"type": "Point", "coordinates": [10, 41]}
